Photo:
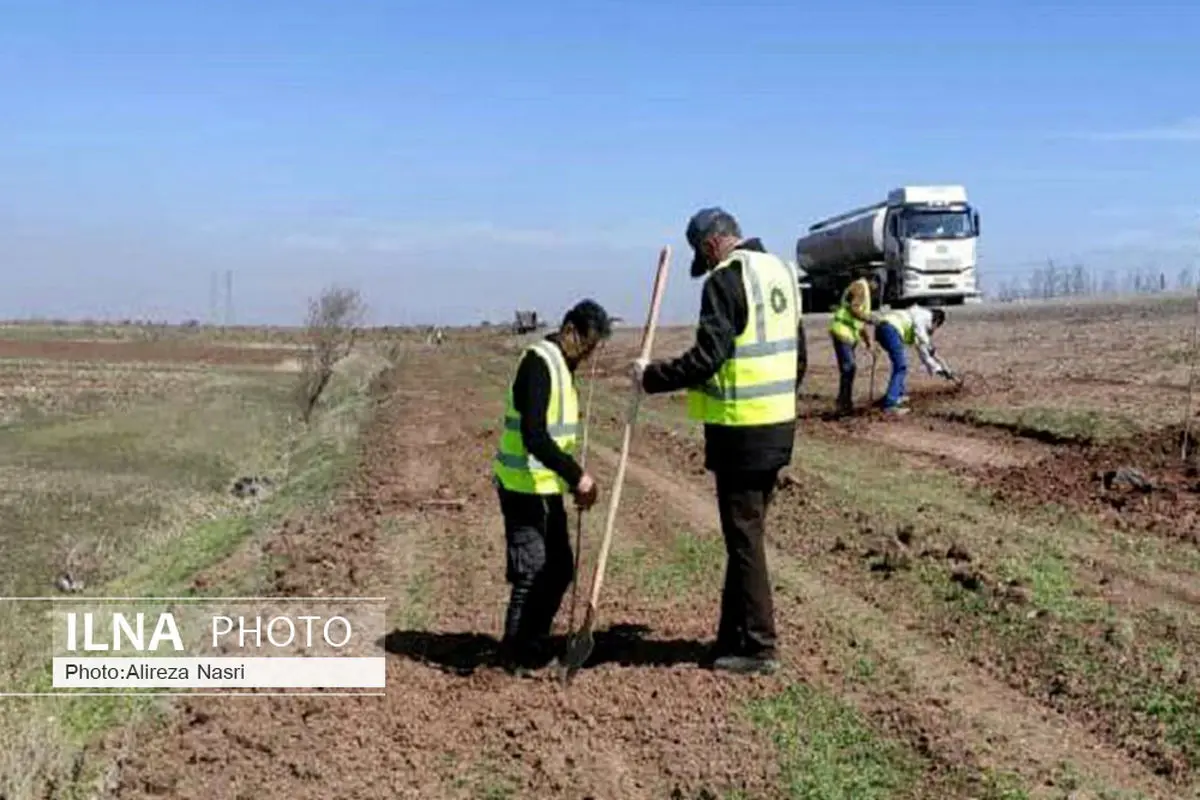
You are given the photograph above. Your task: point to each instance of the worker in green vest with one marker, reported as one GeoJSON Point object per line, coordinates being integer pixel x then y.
{"type": "Point", "coordinates": [741, 375]}
{"type": "Point", "coordinates": [533, 468]}
{"type": "Point", "coordinates": [909, 327]}
{"type": "Point", "coordinates": [848, 327]}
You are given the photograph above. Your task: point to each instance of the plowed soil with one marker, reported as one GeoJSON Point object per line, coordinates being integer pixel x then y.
{"type": "Point", "coordinates": [1143, 485]}
{"type": "Point", "coordinates": [1005, 656]}
{"type": "Point", "coordinates": [645, 728]}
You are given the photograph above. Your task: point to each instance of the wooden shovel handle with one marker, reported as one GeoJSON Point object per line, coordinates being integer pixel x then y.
{"type": "Point", "coordinates": [660, 282]}
{"type": "Point", "coordinates": [660, 285]}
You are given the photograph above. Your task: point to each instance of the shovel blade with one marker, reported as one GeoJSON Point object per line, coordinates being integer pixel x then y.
{"type": "Point", "coordinates": [581, 645]}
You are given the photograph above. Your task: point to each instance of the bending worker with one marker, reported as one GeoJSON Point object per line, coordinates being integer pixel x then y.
{"type": "Point", "coordinates": [902, 328]}
{"type": "Point", "coordinates": [847, 327]}
{"type": "Point", "coordinates": [742, 375]}
{"type": "Point", "coordinates": [534, 466]}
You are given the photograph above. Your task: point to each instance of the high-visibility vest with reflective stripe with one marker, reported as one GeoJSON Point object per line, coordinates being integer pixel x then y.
{"type": "Point", "coordinates": [515, 468]}
{"type": "Point", "coordinates": [843, 324]}
{"type": "Point", "coordinates": [757, 384]}
{"type": "Point", "coordinates": [903, 323]}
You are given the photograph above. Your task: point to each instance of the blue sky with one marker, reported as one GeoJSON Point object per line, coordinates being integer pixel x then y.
{"type": "Point", "coordinates": [455, 161]}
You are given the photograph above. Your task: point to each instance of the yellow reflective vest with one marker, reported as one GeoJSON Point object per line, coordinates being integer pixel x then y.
{"type": "Point", "coordinates": [757, 384]}
{"type": "Point", "coordinates": [903, 323]}
{"type": "Point", "coordinates": [844, 325]}
{"type": "Point", "coordinates": [514, 467]}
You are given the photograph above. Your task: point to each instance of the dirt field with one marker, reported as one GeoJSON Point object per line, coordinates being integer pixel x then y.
{"type": "Point", "coordinates": [966, 610]}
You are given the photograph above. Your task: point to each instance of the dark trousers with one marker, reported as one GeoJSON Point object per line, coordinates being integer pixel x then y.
{"type": "Point", "coordinates": [540, 565]}
{"type": "Point", "coordinates": [747, 611]}
{"type": "Point", "coordinates": [846, 370]}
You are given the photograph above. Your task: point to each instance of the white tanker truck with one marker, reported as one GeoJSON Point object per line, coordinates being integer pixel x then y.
{"type": "Point", "coordinates": [920, 245]}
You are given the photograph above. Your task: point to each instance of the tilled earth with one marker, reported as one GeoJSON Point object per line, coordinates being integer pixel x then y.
{"type": "Point", "coordinates": [987, 656]}
{"type": "Point", "coordinates": [1143, 485]}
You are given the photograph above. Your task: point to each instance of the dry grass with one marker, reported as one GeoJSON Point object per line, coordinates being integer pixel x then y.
{"type": "Point", "coordinates": [120, 474]}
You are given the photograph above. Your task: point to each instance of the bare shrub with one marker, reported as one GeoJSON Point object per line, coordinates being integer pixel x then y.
{"type": "Point", "coordinates": [331, 330]}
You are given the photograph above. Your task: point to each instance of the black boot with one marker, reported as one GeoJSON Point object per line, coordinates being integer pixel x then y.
{"type": "Point", "coordinates": [521, 658]}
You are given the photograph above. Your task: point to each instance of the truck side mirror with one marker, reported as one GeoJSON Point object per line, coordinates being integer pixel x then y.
{"type": "Point", "coordinates": [976, 223]}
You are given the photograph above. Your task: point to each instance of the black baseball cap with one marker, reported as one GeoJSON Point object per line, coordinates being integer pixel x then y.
{"type": "Point", "coordinates": [702, 223]}
{"type": "Point", "coordinates": [590, 319]}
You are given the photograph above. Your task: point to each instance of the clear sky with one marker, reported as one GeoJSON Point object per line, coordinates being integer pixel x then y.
{"type": "Point", "coordinates": [458, 160]}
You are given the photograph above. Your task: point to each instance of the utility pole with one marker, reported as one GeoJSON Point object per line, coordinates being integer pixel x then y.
{"type": "Point", "coordinates": [228, 297]}
{"type": "Point", "coordinates": [213, 290]}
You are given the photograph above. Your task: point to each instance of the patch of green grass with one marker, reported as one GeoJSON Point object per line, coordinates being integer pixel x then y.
{"type": "Point", "coordinates": [1003, 786]}
{"type": "Point", "coordinates": [828, 751]}
{"type": "Point", "coordinates": [1179, 712]}
{"type": "Point", "coordinates": [199, 439]}
{"type": "Point", "coordinates": [1165, 656]}
{"type": "Point", "coordinates": [1053, 424]}
{"type": "Point", "coordinates": [628, 561]}
{"type": "Point", "coordinates": [864, 668]}
{"type": "Point", "coordinates": [413, 613]}
{"type": "Point", "coordinates": [485, 780]}
{"type": "Point", "coordinates": [35, 527]}
{"type": "Point", "coordinates": [170, 567]}
{"type": "Point", "coordinates": [691, 561]}
{"type": "Point", "coordinates": [497, 788]}
{"type": "Point", "coordinates": [1053, 588]}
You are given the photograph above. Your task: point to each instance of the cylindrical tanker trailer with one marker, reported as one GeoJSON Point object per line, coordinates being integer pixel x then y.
{"type": "Point", "coordinates": [918, 245]}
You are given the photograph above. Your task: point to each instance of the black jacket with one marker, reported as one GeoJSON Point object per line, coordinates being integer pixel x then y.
{"type": "Point", "coordinates": [723, 317]}
{"type": "Point", "coordinates": [531, 395]}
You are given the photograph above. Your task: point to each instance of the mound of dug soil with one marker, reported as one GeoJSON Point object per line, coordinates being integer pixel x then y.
{"type": "Point", "coordinates": [1140, 484]}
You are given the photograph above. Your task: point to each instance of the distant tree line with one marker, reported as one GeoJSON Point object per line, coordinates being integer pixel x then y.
{"type": "Point", "coordinates": [1059, 280]}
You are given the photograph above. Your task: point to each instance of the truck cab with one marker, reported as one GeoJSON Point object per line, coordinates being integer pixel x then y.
{"type": "Point", "coordinates": [918, 244]}
{"type": "Point", "coordinates": [929, 246]}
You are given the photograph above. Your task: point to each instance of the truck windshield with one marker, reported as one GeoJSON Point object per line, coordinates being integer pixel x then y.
{"type": "Point", "coordinates": [938, 225]}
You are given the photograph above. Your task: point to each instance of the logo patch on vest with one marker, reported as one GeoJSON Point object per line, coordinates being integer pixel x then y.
{"type": "Point", "coordinates": [779, 301]}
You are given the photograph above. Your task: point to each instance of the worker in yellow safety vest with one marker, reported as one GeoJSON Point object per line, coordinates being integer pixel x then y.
{"type": "Point", "coordinates": [908, 327]}
{"type": "Point", "coordinates": [741, 376]}
{"type": "Point", "coordinates": [847, 327]}
{"type": "Point", "coordinates": [533, 467]}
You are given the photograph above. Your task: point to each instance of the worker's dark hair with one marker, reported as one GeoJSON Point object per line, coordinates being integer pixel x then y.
{"type": "Point", "coordinates": [724, 225]}
{"type": "Point", "coordinates": [589, 319]}
{"type": "Point", "coordinates": [939, 317]}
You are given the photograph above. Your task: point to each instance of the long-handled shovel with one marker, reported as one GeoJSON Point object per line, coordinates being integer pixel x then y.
{"type": "Point", "coordinates": [579, 649]}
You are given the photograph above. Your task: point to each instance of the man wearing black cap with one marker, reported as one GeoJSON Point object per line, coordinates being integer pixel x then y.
{"type": "Point", "coordinates": [533, 467]}
{"type": "Point", "coordinates": [742, 375]}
